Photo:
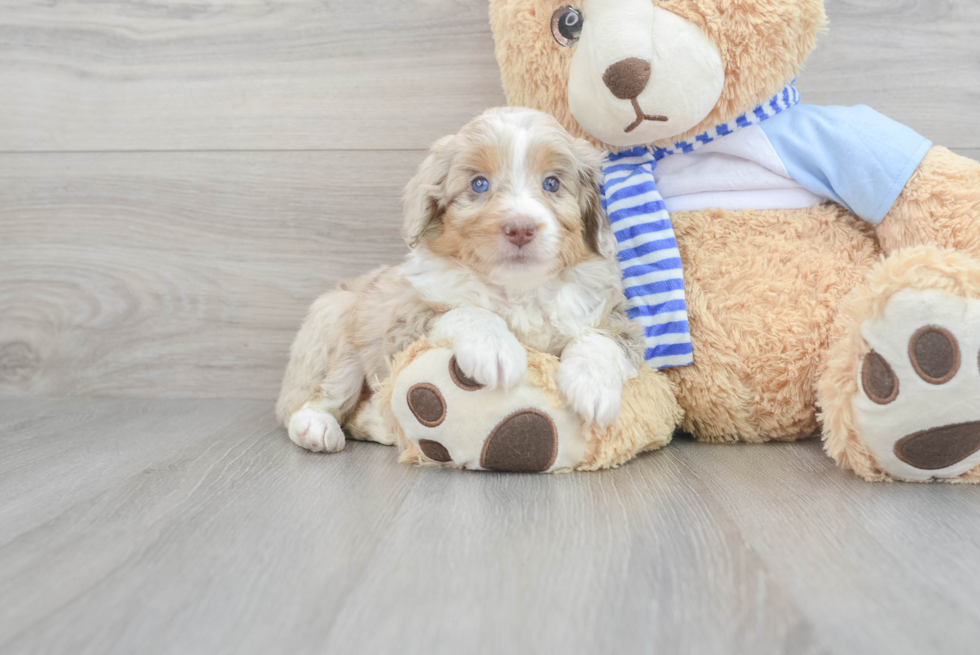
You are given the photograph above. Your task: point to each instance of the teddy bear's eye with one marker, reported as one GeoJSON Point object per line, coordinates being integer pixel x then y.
{"type": "Point", "coordinates": [566, 25]}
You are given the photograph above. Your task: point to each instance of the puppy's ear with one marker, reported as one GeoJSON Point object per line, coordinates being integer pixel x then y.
{"type": "Point", "coordinates": [424, 198]}
{"type": "Point", "coordinates": [596, 230]}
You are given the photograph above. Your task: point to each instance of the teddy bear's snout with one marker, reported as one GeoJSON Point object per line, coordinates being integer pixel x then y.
{"type": "Point", "coordinates": [627, 78]}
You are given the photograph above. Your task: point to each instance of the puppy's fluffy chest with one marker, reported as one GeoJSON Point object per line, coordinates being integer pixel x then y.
{"type": "Point", "coordinates": [544, 314]}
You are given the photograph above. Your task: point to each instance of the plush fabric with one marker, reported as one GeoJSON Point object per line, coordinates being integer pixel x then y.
{"type": "Point", "coordinates": [741, 171]}
{"type": "Point", "coordinates": [652, 272]}
{"type": "Point", "coordinates": [784, 304]}
{"type": "Point", "coordinates": [525, 429]}
{"type": "Point", "coordinates": [851, 155]}
{"type": "Point", "coordinates": [762, 44]}
{"type": "Point", "coordinates": [949, 273]}
{"type": "Point", "coordinates": [653, 278]}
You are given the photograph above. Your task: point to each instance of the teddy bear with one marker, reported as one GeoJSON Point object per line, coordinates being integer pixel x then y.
{"type": "Point", "coordinates": [797, 270]}
{"type": "Point", "coordinates": [440, 416]}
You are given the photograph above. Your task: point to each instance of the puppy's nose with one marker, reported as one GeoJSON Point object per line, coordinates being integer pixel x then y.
{"type": "Point", "coordinates": [520, 233]}
{"type": "Point", "coordinates": [627, 78]}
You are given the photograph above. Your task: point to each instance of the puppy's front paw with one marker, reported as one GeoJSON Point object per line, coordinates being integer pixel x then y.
{"type": "Point", "coordinates": [316, 431]}
{"type": "Point", "coordinates": [592, 389]}
{"type": "Point", "coordinates": [492, 357]}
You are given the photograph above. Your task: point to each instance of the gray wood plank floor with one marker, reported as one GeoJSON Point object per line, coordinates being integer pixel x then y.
{"type": "Point", "coordinates": [168, 526]}
{"type": "Point", "coordinates": [180, 274]}
{"type": "Point", "coordinates": [178, 180]}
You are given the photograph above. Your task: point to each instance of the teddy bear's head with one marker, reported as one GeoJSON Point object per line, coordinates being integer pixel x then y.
{"type": "Point", "coordinates": [635, 72]}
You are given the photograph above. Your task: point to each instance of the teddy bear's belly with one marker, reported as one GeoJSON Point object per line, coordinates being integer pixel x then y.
{"type": "Point", "coordinates": [763, 289]}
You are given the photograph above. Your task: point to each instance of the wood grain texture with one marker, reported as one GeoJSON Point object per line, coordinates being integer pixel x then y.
{"type": "Point", "coordinates": [195, 526]}
{"type": "Point", "coordinates": [176, 274]}
{"type": "Point", "coordinates": [242, 74]}
{"type": "Point", "coordinates": [181, 274]}
{"type": "Point", "coordinates": [303, 74]}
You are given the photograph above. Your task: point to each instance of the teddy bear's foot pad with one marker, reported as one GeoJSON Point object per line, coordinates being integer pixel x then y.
{"type": "Point", "coordinates": [435, 451]}
{"type": "Point", "coordinates": [939, 448]}
{"type": "Point", "coordinates": [454, 420]}
{"type": "Point", "coordinates": [919, 406]}
{"type": "Point", "coordinates": [526, 442]}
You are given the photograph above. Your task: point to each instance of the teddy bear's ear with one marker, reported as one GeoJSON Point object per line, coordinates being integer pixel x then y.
{"type": "Point", "coordinates": [596, 230]}
{"type": "Point", "coordinates": [424, 197]}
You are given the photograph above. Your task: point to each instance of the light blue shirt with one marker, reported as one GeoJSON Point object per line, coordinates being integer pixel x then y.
{"type": "Point", "coordinates": [851, 155]}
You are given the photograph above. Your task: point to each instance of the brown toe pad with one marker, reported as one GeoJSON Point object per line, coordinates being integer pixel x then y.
{"type": "Point", "coordinates": [878, 379]}
{"type": "Point", "coordinates": [462, 380]}
{"type": "Point", "coordinates": [524, 442]}
{"type": "Point", "coordinates": [939, 448]}
{"type": "Point", "coordinates": [935, 354]}
{"type": "Point", "coordinates": [427, 404]}
{"type": "Point", "coordinates": [434, 450]}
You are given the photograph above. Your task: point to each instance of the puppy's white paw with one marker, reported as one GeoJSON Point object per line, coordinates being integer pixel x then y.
{"type": "Point", "coordinates": [592, 388]}
{"type": "Point", "coordinates": [486, 349]}
{"type": "Point", "coordinates": [316, 431]}
{"type": "Point", "coordinates": [491, 357]}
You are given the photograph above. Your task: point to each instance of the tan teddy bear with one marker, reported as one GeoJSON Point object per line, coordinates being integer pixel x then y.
{"type": "Point", "coordinates": [798, 270]}
{"type": "Point", "coordinates": [439, 416]}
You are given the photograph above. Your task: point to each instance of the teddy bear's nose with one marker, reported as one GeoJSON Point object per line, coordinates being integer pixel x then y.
{"type": "Point", "coordinates": [627, 78]}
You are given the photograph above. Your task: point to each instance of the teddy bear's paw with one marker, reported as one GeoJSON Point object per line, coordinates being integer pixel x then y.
{"type": "Point", "coordinates": [455, 420]}
{"type": "Point", "coordinates": [316, 431]}
{"type": "Point", "coordinates": [526, 441]}
{"type": "Point", "coordinates": [918, 406]}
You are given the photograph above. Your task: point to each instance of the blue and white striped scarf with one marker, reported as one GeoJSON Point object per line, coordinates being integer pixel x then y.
{"type": "Point", "coordinates": [648, 255]}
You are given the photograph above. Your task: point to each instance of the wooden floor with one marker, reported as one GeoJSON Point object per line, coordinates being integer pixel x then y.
{"type": "Point", "coordinates": [194, 526]}
{"type": "Point", "coordinates": [179, 179]}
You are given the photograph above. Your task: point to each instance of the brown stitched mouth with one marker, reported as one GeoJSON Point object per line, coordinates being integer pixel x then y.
{"type": "Point", "coordinates": [640, 117]}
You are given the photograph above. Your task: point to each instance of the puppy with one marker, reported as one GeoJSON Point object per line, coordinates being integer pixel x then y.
{"type": "Point", "coordinates": [509, 247]}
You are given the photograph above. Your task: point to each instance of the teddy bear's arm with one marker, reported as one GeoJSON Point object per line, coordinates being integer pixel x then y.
{"type": "Point", "coordinates": [939, 206]}
{"type": "Point", "coordinates": [915, 193]}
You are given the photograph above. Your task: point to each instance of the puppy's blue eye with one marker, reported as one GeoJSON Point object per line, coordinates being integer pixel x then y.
{"type": "Point", "coordinates": [481, 185]}
{"type": "Point", "coordinates": [551, 185]}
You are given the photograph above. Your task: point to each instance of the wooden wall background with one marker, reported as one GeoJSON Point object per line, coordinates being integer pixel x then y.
{"type": "Point", "coordinates": [178, 180]}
